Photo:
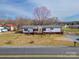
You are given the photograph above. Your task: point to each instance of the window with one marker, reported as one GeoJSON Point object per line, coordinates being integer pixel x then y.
{"type": "Point", "coordinates": [44, 29]}
{"type": "Point", "coordinates": [30, 30]}
{"type": "Point", "coordinates": [35, 29]}
{"type": "Point", "coordinates": [25, 29]}
{"type": "Point", "coordinates": [51, 28]}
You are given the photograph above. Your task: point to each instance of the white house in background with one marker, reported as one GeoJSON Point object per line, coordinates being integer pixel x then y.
{"type": "Point", "coordinates": [74, 26]}
{"type": "Point", "coordinates": [66, 26]}
{"type": "Point", "coordinates": [28, 30]}
{"type": "Point", "coordinates": [52, 30]}
{"type": "Point", "coordinates": [3, 29]}
{"type": "Point", "coordinates": [48, 29]}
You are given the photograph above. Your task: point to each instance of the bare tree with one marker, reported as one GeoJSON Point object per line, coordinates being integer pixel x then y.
{"type": "Point", "coordinates": [41, 13]}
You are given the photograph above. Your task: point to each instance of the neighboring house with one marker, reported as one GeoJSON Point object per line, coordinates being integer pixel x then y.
{"type": "Point", "coordinates": [11, 27]}
{"type": "Point", "coordinates": [66, 26]}
{"type": "Point", "coordinates": [3, 29]}
{"type": "Point", "coordinates": [73, 26]}
{"type": "Point", "coordinates": [42, 29]}
{"type": "Point", "coordinates": [1, 25]}
{"type": "Point", "coordinates": [7, 27]}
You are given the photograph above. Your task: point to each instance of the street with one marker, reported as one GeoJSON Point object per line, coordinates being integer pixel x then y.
{"type": "Point", "coordinates": [39, 58]}
{"type": "Point", "coordinates": [40, 51]}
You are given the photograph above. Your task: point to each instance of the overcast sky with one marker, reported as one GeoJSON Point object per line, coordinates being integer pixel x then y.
{"type": "Point", "coordinates": [64, 9]}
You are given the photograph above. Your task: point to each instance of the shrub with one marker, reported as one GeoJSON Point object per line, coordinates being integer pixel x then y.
{"type": "Point", "coordinates": [8, 42]}
{"type": "Point", "coordinates": [31, 42]}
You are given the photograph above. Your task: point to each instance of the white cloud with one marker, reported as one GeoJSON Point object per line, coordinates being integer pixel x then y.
{"type": "Point", "coordinates": [60, 8]}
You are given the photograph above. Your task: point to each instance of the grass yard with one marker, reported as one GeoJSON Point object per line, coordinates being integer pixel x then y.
{"type": "Point", "coordinates": [73, 30]}
{"type": "Point", "coordinates": [13, 39]}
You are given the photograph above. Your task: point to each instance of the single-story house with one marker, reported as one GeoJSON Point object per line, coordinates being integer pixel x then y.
{"type": "Point", "coordinates": [1, 25]}
{"type": "Point", "coordinates": [73, 26]}
{"type": "Point", "coordinates": [48, 29]}
{"type": "Point", "coordinates": [7, 27]}
{"type": "Point", "coordinates": [3, 29]}
{"type": "Point", "coordinates": [11, 27]}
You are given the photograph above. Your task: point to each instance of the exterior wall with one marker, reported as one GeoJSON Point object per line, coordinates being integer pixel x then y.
{"type": "Point", "coordinates": [40, 30]}
{"type": "Point", "coordinates": [52, 30]}
{"type": "Point", "coordinates": [66, 26]}
{"type": "Point", "coordinates": [74, 26]}
{"type": "Point", "coordinates": [12, 28]}
{"type": "Point", "coordinates": [28, 30]}
{"type": "Point", "coordinates": [2, 29]}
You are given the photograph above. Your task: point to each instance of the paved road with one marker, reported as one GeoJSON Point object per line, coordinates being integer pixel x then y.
{"type": "Point", "coordinates": [39, 58]}
{"type": "Point", "coordinates": [39, 50]}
